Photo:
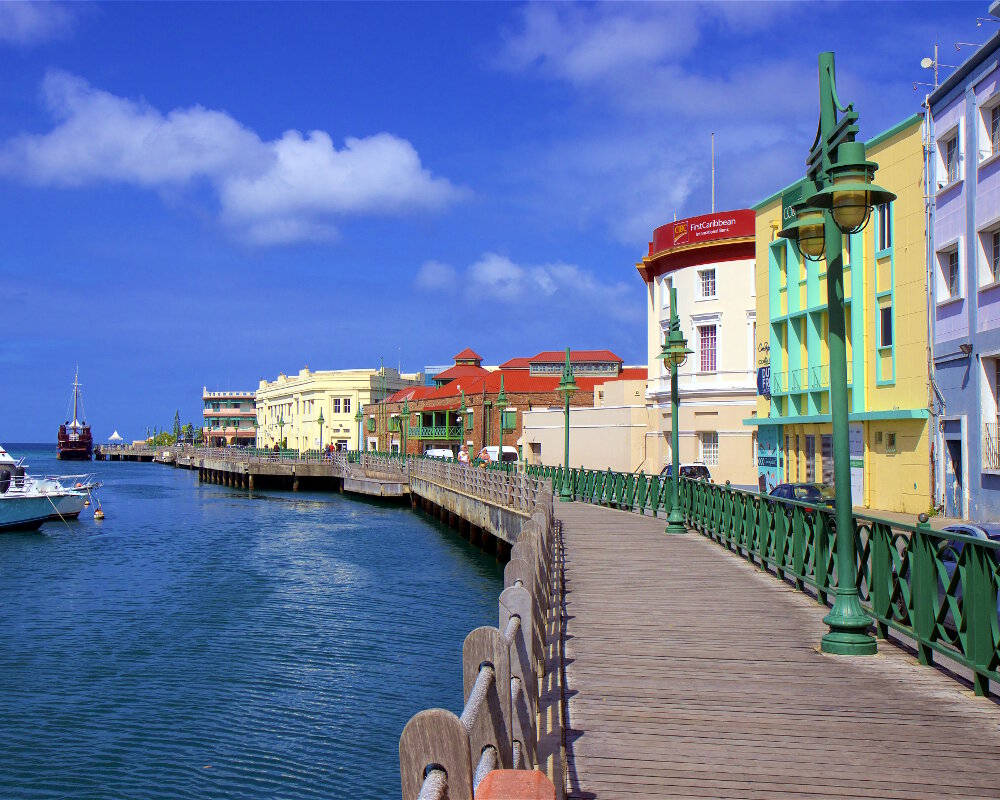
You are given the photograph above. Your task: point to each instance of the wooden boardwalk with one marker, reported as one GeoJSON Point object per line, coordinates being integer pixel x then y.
{"type": "Point", "coordinates": [690, 673]}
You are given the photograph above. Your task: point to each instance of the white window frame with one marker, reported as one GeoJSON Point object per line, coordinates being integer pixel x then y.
{"type": "Point", "coordinates": [666, 282]}
{"type": "Point", "coordinates": [945, 180]}
{"type": "Point", "coordinates": [985, 275]}
{"type": "Point", "coordinates": [892, 327]}
{"type": "Point", "coordinates": [883, 227]}
{"type": "Point", "coordinates": [709, 455]}
{"type": "Point", "coordinates": [715, 354]}
{"type": "Point", "coordinates": [989, 146]}
{"type": "Point", "coordinates": [942, 291]}
{"type": "Point", "coordinates": [702, 274]}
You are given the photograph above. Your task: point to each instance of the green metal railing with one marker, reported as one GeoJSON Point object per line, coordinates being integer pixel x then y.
{"type": "Point", "coordinates": [436, 432]}
{"type": "Point", "coordinates": [939, 589]}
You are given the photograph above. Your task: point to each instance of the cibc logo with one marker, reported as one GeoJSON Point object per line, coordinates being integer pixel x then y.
{"type": "Point", "coordinates": [680, 232]}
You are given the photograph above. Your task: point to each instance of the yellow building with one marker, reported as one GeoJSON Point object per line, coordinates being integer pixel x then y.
{"type": "Point", "coordinates": [885, 288]}
{"type": "Point", "coordinates": [289, 407]}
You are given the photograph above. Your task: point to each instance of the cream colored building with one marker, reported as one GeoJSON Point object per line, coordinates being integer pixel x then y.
{"type": "Point", "coordinates": [610, 435]}
{"type": "Point", "coordinates": [709, 260]}
{"type": "Point", "coordinates": [289, 407]}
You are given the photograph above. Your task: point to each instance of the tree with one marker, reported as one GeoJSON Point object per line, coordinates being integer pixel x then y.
{"type": "Point", "coordinates": [177, 425]}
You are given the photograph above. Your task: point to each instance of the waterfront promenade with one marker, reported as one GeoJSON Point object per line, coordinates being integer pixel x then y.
{"type": "Point", "coordinates": [691, 673]}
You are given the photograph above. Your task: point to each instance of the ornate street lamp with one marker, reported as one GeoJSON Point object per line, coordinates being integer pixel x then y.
{"type": "Point", "coordinates": [320, 421]}
{"type": "Point", "coordinates": [359, 418]}
{"type": "Point", "coordinates": [501, 405]}
{"type": "Point", "coordinates": [567, 385]}
{"type": "Point", "coordinates": [839, 202]}
{"type": "Point", "coordinates": [674, 354]}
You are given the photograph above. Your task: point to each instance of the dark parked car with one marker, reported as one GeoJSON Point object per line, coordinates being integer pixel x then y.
{"type": "Point", "coordinates": [951, 552]}
{"type": "Point", "coordinates": [697, 471]}
{"type": "Point", "coordinates": [818, 494]}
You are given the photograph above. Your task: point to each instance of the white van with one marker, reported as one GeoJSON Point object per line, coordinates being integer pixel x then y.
{"type": "Point", "coordinates": [442, 453]}
{"type": "Point", "coordinates": [509, 453]}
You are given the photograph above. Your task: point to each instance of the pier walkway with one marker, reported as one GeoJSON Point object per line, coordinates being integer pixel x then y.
{"type": "Point", "coordinates": [692, 673]}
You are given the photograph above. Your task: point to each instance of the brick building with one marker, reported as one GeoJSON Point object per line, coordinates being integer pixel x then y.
{"type": "Point", "coordinates": [463, 407]}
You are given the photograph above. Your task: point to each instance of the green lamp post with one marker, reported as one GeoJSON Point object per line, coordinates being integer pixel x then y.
{"type": "Point", "coordinates": [281, 431]}
{"type": "Point", "coordinates": [501, 404]}
{"type": "Point", "coordinates": [320, 423]}
{"type": "Point", "coordinates": [359, 418]}
{"type": "Point", "coordinates": [567, 385]}
{"type": "Point", "coordinates": [404, 425]}
{"type": "Point", "coordinates": [837, 200]}
{"type": "Point", "coordinates": [460, 421]}
{"type": "Point", "coordinates": [674, 353]}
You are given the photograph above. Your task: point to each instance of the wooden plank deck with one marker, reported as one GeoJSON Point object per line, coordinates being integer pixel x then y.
{"type": "Point", "coordinates": [690, 673]}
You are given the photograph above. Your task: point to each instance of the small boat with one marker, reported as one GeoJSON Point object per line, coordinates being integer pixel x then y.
{"type": "Point", "coordinates": [75, 442]}
{"type": "Point", "coordinates": [23, 506]}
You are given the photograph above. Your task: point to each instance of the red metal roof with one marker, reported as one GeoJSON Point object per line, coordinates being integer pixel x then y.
{"type": "Point", "coordinates": [633, 374]}
{"type": "Point", "coordinates": [468, 354]}
{"type": "Point", "coordinates": [410, 393]}
{"type": "Point", "coordinates": [515, 363]}
{"type": "Point", "coordinates": [460, 371]}
{"type": "Point", "coordinates": [553, 356]}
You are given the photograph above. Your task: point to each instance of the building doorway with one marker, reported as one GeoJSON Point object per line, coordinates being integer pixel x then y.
{"type": "Point", "coordinates": [954, 490]}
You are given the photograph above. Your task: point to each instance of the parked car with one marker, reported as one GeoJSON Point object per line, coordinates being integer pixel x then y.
{"type": "Point", "coordinates": [695, 470]}
{"type": "Point", "coordinates": [490, 452]}
{"type": "Point", "coordinates": [443, 453]}
{"type": "Point", "coordinates": [950, 552]}
{"type": "Point", "coordinates": [818, 494]}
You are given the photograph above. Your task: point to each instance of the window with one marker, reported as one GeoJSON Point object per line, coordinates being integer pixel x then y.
{"type": "Point", "coordinates": [509, 420]}
{"type": "Point", "coordinates": [826, 446]}
{"type": "Point", "coordinates": [336, 405]}
{"type": "Point", "coordinates": [709, 446]}
{"type": "Point", "coordinates": [950, 153]}
{"type": "Point", "coordinates": [707, 283]}
{"type": "Point", "coordinates": [665, 286]}
{"type": "Point", "coordinates": [884, 227]}
{"type": "Point", "coordinates": [810, 459]}
{"type": "Point", "coordinates": [371, 424]}
{"type": "Point", "coordinates": [952, 275]}
{"type": "Point", "coordinates": [347, 405]}
{"type": "Point", "coordinates": [885, 326]}
{"type": "Point", "coordinates": [995, 129]}
{"type": "Point", "coordinates": [706, 347]}
{"type": "Point", "coordinates": [890, 443]}
{"type": "Point", "coordinates": [468, 419]}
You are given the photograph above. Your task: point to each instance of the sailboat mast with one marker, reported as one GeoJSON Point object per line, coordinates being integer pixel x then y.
{"type": "Point", "coordinates": [76, 396]}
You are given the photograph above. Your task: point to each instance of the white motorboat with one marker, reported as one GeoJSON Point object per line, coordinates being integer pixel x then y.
{"type": "Point", "coordinates": [22, 509]}
{"type": "Point", "coordinates": [23, 497]}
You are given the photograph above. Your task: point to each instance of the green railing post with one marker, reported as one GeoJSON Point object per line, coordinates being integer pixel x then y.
{"type": "Point", "coordinates": [923, 588]}
{"type": "Point", "coordinates": [980, 613]}
{"type": "Point", "coordinates": [880, 581]}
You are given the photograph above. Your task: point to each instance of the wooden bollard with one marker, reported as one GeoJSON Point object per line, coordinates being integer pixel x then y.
{"type": "Point", "coordinates": [516, 601]}
{"type": "Point", "coordinates": [435, 736]}
{"type": "Point", "coordinates": [486, 645]}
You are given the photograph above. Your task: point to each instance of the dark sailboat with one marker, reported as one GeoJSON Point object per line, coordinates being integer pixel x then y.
{"type": "Point", "coordinates": [75, 442]}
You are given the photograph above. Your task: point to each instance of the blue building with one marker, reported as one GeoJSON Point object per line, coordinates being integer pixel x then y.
{"type": "Point", "coordinates": [963, 261]}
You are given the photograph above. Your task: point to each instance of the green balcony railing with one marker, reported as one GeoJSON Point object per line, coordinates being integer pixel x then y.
{"type": "Point", "coordinates": [938, 589]}
{"type": "Point", "coordinates": [436, 431]}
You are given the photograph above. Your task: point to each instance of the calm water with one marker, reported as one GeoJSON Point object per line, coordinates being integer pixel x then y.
{"type": "Point", "coordinates": [198, 643]}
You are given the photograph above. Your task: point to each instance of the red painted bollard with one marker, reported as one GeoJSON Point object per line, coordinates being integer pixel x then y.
{"type": "Point", "coordinates": [516, 784]}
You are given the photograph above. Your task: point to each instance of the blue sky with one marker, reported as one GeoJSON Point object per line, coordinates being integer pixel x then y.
{"type": "Point", "coordinates": [202, 194]}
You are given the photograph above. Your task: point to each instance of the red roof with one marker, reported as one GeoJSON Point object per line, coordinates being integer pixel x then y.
{"type": "Point", "coordinates": [633, 374]}
{"type": "Point", "coordinates": [554, 356]}
{"type": "Point", "coordinates": [410, 393]}
{"type": "Point", "coordinates": [460, 371]}
{"type": "Point", "coordinates": [515, 363]}
{"type": "Point", "coordinates": [468, 354]}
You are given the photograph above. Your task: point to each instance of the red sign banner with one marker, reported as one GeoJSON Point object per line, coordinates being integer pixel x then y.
{"type": "Point", "coordinates": [706, 228]}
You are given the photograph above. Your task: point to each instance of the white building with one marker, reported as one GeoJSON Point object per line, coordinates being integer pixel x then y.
{"type": "Point", "coordinates": [709, 260]}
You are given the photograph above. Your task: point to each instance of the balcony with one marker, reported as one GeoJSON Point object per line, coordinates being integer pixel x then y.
{"type": "Point", "coordinates": [991, 453]}
{"type": "Point", "coordinates": [440, 432]}
{"type": "Point", "coordinates": [806, 379]}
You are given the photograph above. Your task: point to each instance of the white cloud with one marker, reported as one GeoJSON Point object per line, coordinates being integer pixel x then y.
{"type": "Point", "coordinates": [270, 192]}
{"type": "Point", "coordinates": [542, 289]}
{"type": "Point", "coordinates": [435, 276]}
{"type": "Point", "coordinates": [24, 22]}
